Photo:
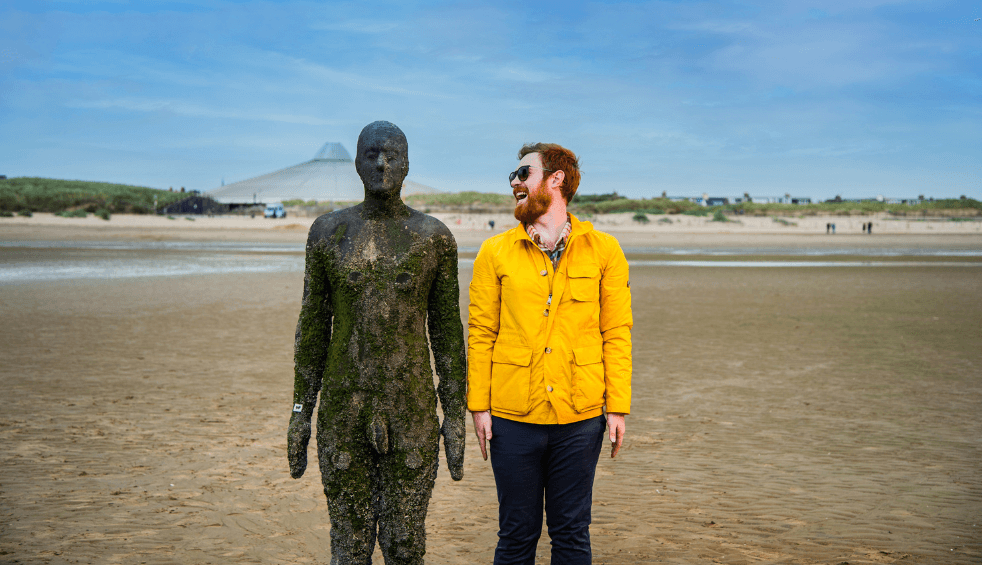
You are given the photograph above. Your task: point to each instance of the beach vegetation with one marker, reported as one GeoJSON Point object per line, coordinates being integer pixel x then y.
{"type": "Point", "coordinates": [103, 213]}
{"type": "Point", "coordinates": [54, 195]}
{"type": "Point", "coordinates": [584, 198]}
{"type": "Point", "coordinates": [641, 218]}
{"type": "Point", "coordinates": [78, 213]}
{"type": "Point", "coordinates": [25, 212]}
{"type": "Point", "coordinates": [784, 222]}
{"type": "Point", "coordinates": [940, 207]}
{"type": "Point", "coordinates": [299, 202]}
{"type": "Point", "coordinates": [697, 212]}
{"type": "Point", "coordinates": [6, 214]}
{"type": "Point", "coordinates": [719, 216]}
{"type": "Point", "coordinates": [665, 221]}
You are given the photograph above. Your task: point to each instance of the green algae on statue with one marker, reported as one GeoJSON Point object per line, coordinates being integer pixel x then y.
{"type": "Point", "coordinates": [378, 276]}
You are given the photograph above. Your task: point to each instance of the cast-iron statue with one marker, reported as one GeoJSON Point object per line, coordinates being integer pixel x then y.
{"type": "Point", "coordinates": [378, 275]}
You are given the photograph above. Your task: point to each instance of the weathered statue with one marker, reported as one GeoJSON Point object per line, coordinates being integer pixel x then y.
{"type": "Point", "coordinates": [378, 275]}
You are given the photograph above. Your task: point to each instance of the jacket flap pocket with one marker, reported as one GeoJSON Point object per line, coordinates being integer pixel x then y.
{"type": "Point", "coordinates": [512, 355]}
{"type": "Point", "coordinates": [584, 290]}
{"type": "Point", "coordinates": [583, 271]}
{"type": "Point", "coordinates": [588, 355]}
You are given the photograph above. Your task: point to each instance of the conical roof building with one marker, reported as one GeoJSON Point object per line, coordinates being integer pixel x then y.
{"type": "Point", "coordinates": [329, 177]}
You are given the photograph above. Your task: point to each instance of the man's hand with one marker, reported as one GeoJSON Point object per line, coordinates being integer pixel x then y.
{"type": "Point", "coordinates": [297, 438]}
{"type": "Point", "coordinates": [453, 441]}
{"type": "Point", "coordinates": [615, 423]}
{"type": "Point", "coordinates": [482, 427]}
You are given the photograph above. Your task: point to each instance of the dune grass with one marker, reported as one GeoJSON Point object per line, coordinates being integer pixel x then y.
{"type": "Point", "coordinates": [52, 195]}
{"type": "Point", "coordinates": [612, 204]}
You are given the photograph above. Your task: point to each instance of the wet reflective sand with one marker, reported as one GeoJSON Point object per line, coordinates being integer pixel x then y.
{"type": "Point", "coordinates": [786, 414]}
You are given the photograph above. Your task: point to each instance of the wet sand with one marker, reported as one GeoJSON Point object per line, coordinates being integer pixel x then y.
{"type": "Point", "coordinates": [780, 415]}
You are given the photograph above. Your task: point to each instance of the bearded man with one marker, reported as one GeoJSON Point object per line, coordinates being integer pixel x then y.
{"type": "Point", "coordinates": [549, 359]}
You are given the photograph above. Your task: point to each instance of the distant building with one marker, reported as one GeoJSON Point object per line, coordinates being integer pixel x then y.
{"type": "Point", "coordinates": [717, 201]}
{"type": "Point", "coordinates": [786, 199]}
{"type": "Point", "coordinates": [329, 177]}
{"type": "Point", "coordinates": [195, 204]}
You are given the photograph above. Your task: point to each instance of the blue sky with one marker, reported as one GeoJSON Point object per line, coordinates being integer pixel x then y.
{"type": "Point", "coordinates": [856, 98]}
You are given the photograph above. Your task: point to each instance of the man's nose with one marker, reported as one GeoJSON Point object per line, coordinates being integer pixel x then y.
{"type": "Point", "coordinates": [515, 183]}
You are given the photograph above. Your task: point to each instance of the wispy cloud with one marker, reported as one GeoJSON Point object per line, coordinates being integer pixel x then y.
{"type": "Point", "coordinates": [369, 27]}
{"type": "Point", "coordinates": [183, 108]}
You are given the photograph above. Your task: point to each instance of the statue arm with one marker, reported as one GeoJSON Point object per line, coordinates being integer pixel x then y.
{"type": "Point", "coordinates": [310, 356]}
{"type": "Point", "coordinates": [447, 340]}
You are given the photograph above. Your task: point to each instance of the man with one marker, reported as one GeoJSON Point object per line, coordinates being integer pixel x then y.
{"type": "Point", "coordinates": [378, 276]}
{"type": "Point", "coordinates": [549, 359]}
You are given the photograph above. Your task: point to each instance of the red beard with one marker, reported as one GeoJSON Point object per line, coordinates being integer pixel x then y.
{"type": "Point", "coordinates": [535, 205]}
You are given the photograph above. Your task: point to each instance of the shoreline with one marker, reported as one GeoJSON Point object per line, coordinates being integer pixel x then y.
{"type": "Point", "coordinates": [471, 230]}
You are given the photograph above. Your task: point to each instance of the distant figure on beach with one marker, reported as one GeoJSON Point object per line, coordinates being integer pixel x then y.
{"type": "Point", "coordinates": [491, 224]}
{"type": "Point", "coordinates": [869, 229]}
{"type": "Point", "coordinates": [833, 228]}
{"type": "Point", "coordinates": [378, 276]}
{"type": "Point", "coordinates": [828, 227]}
{"type": "Point", "coordinates": [864, 227]}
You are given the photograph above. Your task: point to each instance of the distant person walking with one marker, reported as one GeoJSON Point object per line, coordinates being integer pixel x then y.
{"type": "Point", "coordinates": [864, 227]}
{"type": "Point", "coordinates": [828, 227]}
{"type": "Point", "coordinates": [869, 229]}
{"type": "Point", "coordinates": [833, 228]}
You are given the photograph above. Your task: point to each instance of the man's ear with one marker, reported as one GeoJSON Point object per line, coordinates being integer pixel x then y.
{"type": "Point", "coordinates": [557, 178]}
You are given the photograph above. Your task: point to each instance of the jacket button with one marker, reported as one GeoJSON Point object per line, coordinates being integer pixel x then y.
{"type": "Point", "coordinates": [545, 312]}
{"type": "Point", "coordinates": [548, 350]}
{"type": "Point", "coordinates": [543, 272]}
{"type": "Point", "coordinates": [549, 388]}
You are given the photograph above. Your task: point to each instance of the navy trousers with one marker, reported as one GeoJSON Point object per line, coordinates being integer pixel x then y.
{"type": "Point", "coordinates": [558, 461]}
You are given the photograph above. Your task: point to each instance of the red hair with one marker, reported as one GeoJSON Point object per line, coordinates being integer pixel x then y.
{"type": "Point", "coordinates": [555, 157]}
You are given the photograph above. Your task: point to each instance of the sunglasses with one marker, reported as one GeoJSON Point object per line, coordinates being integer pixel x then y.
{"type": "Point", "coordinates": [523, 172]}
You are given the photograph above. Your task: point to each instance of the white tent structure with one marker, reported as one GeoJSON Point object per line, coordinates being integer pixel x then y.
{"type": "Point", "coordinates": [329, 177]}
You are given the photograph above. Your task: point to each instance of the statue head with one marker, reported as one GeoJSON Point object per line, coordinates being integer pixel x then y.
{"type": "Point", "coordinates": [382, 159]}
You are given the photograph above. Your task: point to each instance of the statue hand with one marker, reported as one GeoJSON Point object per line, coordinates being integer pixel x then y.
{"type": "Point", "coordinates": [297, 438]}
{"type": "Point", "coordinates": [453, 440]}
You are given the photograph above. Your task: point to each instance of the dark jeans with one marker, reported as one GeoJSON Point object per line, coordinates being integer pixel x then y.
{"type": "Point", "coordinates": [560, 461]}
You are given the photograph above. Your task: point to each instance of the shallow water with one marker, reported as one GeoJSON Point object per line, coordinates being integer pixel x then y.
{"type": "Point", "coordinates": [25, 262]}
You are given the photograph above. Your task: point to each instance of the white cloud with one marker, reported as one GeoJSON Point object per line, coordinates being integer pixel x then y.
{"type": "Point", "coordinates": [183, 108]}
{"type": "Point", "coordinates": [369, 27]}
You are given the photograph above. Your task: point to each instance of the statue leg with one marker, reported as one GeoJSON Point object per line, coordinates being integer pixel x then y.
{"type": "Point", "coordinates": [408, 474]}
{"type": "Point", "coordinates": [349, 474]}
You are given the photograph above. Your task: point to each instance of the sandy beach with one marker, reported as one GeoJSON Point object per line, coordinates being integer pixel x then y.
{"type": "Point", "coordinates": [827, 413]}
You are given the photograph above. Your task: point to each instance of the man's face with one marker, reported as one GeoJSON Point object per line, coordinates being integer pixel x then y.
{"type": "Point", "coordinates": [532, 196]}
{"type": "Point", "coordinates": [382, 162]}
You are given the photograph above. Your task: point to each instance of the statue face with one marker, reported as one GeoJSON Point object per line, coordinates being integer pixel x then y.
{"type": "Point", "coordinates": [383, 158]}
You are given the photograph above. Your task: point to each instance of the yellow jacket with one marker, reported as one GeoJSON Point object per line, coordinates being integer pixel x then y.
{"type": "Point", "coordinates": [543, 361]}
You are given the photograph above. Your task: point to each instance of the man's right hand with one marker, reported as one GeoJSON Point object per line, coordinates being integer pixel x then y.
{"type": "Point", "coordinates": [482, 427]}
{"type": "Point", "coordinates": [297, 438]}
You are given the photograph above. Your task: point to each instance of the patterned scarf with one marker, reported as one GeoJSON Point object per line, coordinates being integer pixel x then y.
{"type": "Point", "coordinates": [556, 254]}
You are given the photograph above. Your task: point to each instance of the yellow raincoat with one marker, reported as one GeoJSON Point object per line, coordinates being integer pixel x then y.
{"type": "Point", "coordinates": [550, 347]}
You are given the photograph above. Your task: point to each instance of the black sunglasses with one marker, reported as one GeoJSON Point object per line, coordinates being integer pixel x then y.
{"type": "Point", "coordinates": [523, 172]}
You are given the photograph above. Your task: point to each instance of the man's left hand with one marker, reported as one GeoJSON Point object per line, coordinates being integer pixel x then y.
{"type": "Point", "coordinates": [615, 423]}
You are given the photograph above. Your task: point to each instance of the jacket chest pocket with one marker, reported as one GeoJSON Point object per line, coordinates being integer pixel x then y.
{"type": "Point", "coordinates": [588, 378]}
{"type": "Point", "coordinates": [584, 283]}
{"type": "Point", "coordinates": [511, 378]}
